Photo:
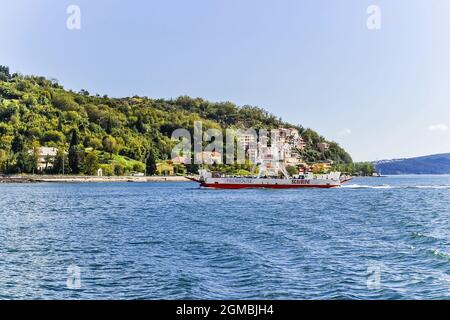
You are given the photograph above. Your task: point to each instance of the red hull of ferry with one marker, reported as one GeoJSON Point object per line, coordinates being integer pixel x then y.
{"type": "Point", "coordinates": [266, 186]}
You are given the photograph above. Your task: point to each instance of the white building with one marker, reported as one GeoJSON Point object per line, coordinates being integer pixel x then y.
{"type": "Point", "coordinates": [252, 152]}
{"type": "Point", "coordinates": [180, 160]}
{"type": "Point", "coordinates": [283, 141]}
{"type": "Point", "coordinates": [246, 139]}
{"type": "Point", "coordinates": [46, 158]}
{"type": "Point", "coordinates": [209, 157]}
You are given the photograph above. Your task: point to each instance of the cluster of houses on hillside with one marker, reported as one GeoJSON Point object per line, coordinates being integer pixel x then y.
{"type": "Point", "coordinates": [283, 146]}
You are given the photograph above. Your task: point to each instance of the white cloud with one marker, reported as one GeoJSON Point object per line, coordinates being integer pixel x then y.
{"type": "Point", "coordinates": [345, 132]}
{"type": "Point", "coordinates": [438, 127]}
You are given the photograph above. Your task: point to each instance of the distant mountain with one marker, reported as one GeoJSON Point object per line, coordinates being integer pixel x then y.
{"type": "Point", "coordinates": [434, 164]}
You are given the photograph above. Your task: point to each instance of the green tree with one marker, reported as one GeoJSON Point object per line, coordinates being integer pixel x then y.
{"type": "Point", "coordinates": [118, 169]}
{"type": "Point", "coordinates": [53, 136]}
{"type": "Point", "coordinates": [4, 73]}
{"type": "Point", "coordinates": [94, 143]}
{"type": "Point", "coordinates": [74, 153]}
{"type": "Point", "coordinates": [150, 163]}
{"type": "Point", "coordinates": [33, 157]}
{"type": "Point", "coordinates": [193, 168]}
{"type": "Point", "coordinates": [91, 163]}
{"type": "Point", "coordinates": [60, 123]}
{"type": "Point", "coordinates": [110, 145]}
{"type": "Point", "coordinates": [17, 144]}
{"type": "Point", "coordinates": [60, 164]}
{"type": "Point", "coordinates": [3, 160]}
{"type": "Point", "coordinates": [24, 162]}
{"type": "Point", "coordinates": [364, 168]}
{"type": "Point", "coordinates": [292, 170]}
{"type": "Point", "coordinates": [64, 102]}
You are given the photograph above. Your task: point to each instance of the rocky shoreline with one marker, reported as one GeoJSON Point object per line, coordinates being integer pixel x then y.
{"type": "Point", "coordinates": [89, 179]}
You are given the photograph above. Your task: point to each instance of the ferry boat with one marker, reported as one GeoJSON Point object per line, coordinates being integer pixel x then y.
{"type": "Point", "coordinates": [272, 174]}
{"type": "Point", "coordinates": [308, 180]}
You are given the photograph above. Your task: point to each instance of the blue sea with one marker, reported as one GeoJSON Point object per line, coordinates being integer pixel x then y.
{"type": "Point", "coordinates": [374, 238]}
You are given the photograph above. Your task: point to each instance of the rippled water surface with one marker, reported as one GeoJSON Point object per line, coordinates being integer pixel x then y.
{"type": "Point", "coordinates": [176, 241]}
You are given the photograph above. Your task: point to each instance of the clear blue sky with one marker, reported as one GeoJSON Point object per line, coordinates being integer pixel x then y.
{"type": "Point", "coordinates": [380, 94]}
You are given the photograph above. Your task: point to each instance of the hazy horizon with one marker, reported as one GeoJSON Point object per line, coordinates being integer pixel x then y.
{"type": "Point", "coordinates": [381, 94]}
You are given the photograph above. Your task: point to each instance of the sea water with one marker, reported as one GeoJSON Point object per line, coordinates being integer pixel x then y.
{"type": "Point", "coordinates": [374, 238]}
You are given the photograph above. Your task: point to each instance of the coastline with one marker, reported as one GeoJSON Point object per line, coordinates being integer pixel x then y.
{"type": "Point", "coordinates": [87, 179]}
{"type": "Point", "coordinates": [96, 179]}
